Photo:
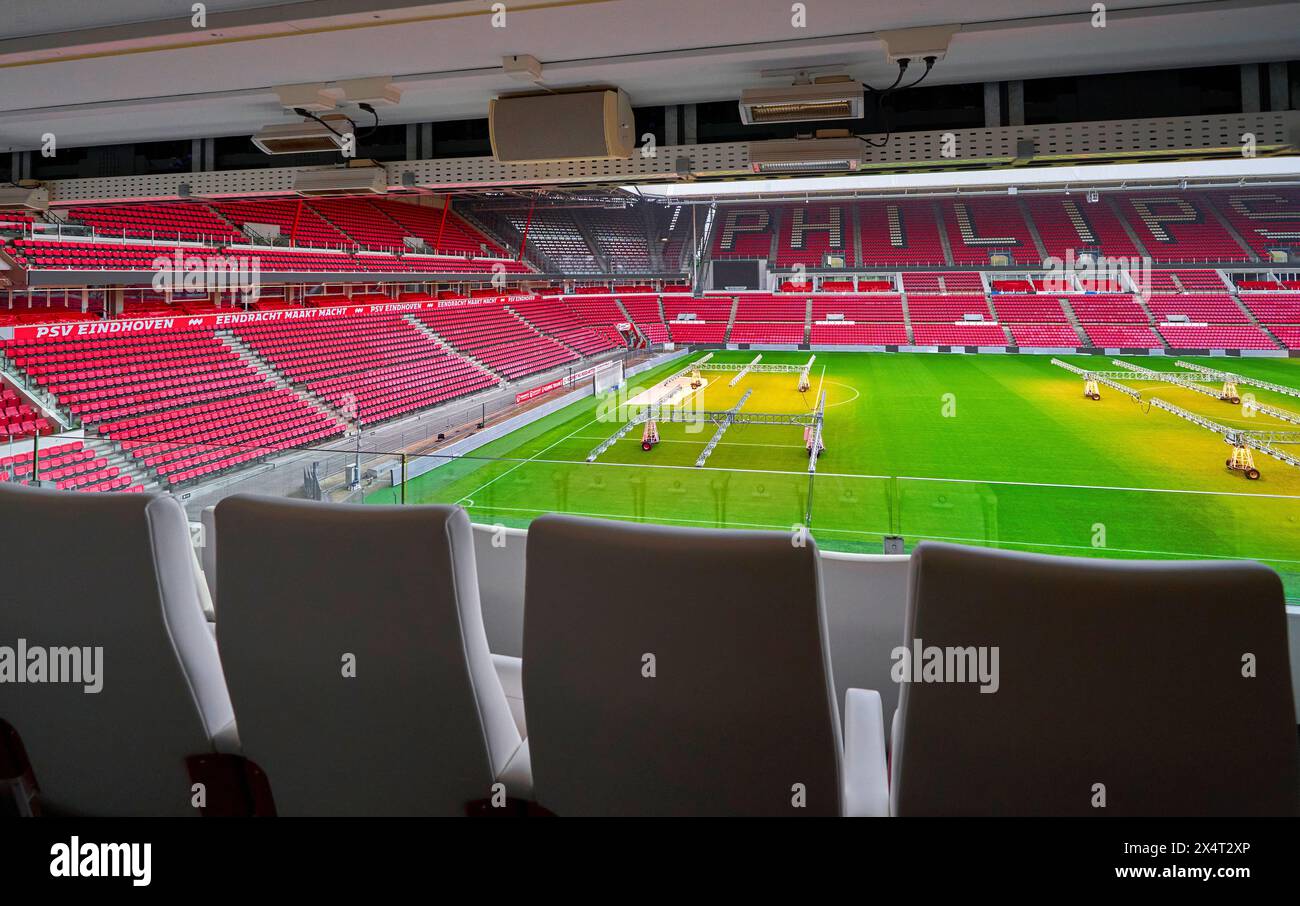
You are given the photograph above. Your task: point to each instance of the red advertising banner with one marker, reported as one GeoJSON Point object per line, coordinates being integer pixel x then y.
{"type": "Point", "coordinates": [539, 390]}
{"type": "Point", "coordinates": [70, 330]}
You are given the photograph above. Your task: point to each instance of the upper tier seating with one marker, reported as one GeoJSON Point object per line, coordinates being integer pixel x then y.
{"type": "Point", "coordinates": [52, 254]}
{"type": "Point", "coordinates": [136, 256]}
{"type": "Point", "coordinates": [496, 337]}
{"type": "Point", "coordinates": [978, 226]}
{"type": "Point", "coordinates": [1070, 223]}
{"type": "Point", "coordinates": [743, 232]}
{"type": "Point", "coordinates": [16, 220]}
{"type": "Point", "coordinates": [449, 235]}
{"type": "Point", "coordinates": [899, 232]}
{"type": "Point", "coordinates": [1179, 227]}
{"type": "Point", "coordinates": [620, 237]}
{"type": "Point", "coordinates": [178, 220]}
{"type": "Point", "coordinates": [296, 218]}
{"type": "Point", "coordinates": [361, 221]}
{"type": "Point", "coordinates": [1266, 218]}
{"type": "Point", "coordinates": [554, 233]}
{"type": "Point", "coordinates": [811, 232]}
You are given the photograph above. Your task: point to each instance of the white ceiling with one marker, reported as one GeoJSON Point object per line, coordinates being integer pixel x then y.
{"type": "Point", "coordinates": [137, 70]}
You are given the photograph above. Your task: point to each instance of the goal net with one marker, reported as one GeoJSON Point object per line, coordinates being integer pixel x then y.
{"type": "Point", "coordinates": [608, 376]}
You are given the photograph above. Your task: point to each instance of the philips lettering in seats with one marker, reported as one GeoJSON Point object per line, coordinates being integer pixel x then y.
{"type": "Point", "coordinates": [24, 663]}
{"type": "Point", "coordinates": [102, 860]}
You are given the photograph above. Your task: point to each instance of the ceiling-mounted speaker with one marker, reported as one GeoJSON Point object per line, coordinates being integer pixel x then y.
{"type": "Point", "coordinates": [564, 125]}
{"type": "Point", "coordinates": [360, 180]}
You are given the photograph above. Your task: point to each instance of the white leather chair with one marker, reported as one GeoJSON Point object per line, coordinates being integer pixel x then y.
{"type": "Point", "coordinates": [113, 571]}
{"type": "Point", "coordinates": [738, 717]}
{"type": "Point", "coordinates": [1118, 682]}
{"type": "Point", "coordinates": [423, 726]}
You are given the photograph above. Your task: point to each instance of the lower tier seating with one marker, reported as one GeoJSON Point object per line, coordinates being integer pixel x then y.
{"type": "Point", "coordinates": [1288, 334]}
{"type": "Point", "coordinates": [552, 318]}
{"type": "Point", "coordinates": [1215, 336]}
{"type": "Point", "coordinates": [958, 335]}
{"type": "Point", "coordinates": [18, 419]}
{"type": "Point", "coordinates": [847, 334]}
{"type": "Point", "coordinates": [1274, 308]}
{"type": "Point", "coordinates": [1044, 335]}
{"type": "Point", "coordinates": [380, 393]}
{"type": "Point", "coordinates": [1218, 308]}
{"type": "Point", "coordinates": [202, 440]}
{"type": "Point", "coordinates": [71, 466]}
{"type": "Point", "coordinates": [493, 335]}
{"type": "Point", "coordinates": [767, 333]}
{"type": "Point", "coordinates": [698, 331]}
{"type": "Point", "coordinates": [1128, 336]}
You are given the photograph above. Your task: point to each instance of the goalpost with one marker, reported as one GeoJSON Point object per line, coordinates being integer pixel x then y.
{"type": "Point", "coordinates": [607, 376]}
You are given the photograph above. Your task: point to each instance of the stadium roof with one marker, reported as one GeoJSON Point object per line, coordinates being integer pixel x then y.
{"type": "Point", "coordinates": [1270, 171]}
{"type": "Point", "coordinates": [138, 70]}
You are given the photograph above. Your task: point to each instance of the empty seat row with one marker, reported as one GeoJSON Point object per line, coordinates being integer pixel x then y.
{"type": "Point", "coordinates": [647, 705]}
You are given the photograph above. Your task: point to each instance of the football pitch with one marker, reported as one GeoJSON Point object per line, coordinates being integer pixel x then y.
{"type": "Point", "coordinates": [996, 450]}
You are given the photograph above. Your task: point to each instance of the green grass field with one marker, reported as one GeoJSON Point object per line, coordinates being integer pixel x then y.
{"type": "Point", "coordinates": [984, 449]}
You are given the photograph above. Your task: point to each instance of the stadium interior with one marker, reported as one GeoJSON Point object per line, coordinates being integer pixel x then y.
{"type": "Point", "coordinates": [720, 409]}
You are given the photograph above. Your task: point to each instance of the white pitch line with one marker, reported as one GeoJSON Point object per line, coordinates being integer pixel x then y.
{"type": "Point", "coordinates": [804, 475]}
{"type": "Point", "coordinates": [725, 443]}
{"type": "Point", "coordinates": [471, 494]}
{"type": "Point", "coordinates": [984, 542]}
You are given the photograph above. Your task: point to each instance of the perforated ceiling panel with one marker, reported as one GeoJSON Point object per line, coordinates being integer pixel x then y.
{"type": "Point", "coordinates": [1081, 142]}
